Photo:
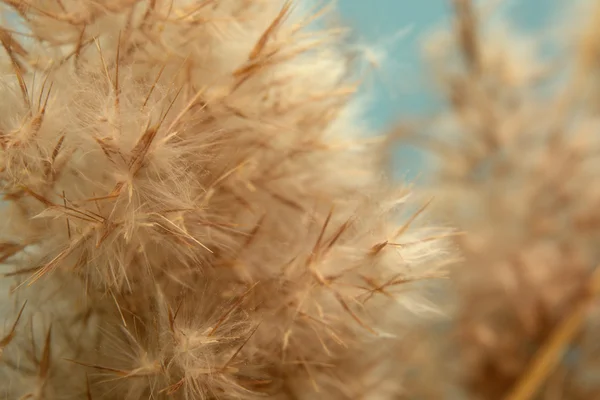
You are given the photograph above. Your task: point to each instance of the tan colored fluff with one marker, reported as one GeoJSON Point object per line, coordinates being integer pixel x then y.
{"type": "Point", "coordinates": [517, 168]}
{"type": "Point", "coordinates": [194, 209]}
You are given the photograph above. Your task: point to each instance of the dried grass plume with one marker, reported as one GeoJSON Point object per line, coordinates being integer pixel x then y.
{"type": "Point", "coordinates": [194, 210]}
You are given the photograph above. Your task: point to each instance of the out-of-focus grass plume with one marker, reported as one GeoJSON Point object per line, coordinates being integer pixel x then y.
{"type": "Point", "coordinates": [515, 166]}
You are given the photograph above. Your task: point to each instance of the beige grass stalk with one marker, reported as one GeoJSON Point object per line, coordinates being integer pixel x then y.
{"type": "Point", "coordinates": [549, 355]}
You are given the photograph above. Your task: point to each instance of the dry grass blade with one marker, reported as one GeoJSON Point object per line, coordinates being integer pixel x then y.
{"type": "Point", "coordinates": [18, 68]}
{"type": "Point", "coordinates": [104, 65]}
{"type": "Point", "coordinates": [172, 389]}
{"type": "Point", "coordinates": [7, 250]}
{"type": "Point", "coordinates": [337, 235]}
{"type": "Point", "coordinates": [232, 358]}
{"type": "Point", "coordinates": [353, 314]}
{"type": "Point", "coordinates": [38, 197]}
{"type": "Point", "coordinates": [160, 72]}
{"type": "Point", "coordinates": [467, 33]}
{"type": "Point", "coordinates": [194, 9]}
{"type": "Point", "coordinates": [118, 308]}
{"type": "Point", "coordinates": [88, 389]}
{"type": "Point", "coordinates": [413, 217]}
{"type": "Point", "coordinates": [45, 361]}
{"type": "Point", "coordinates": [235, 305]}
{"type": "Point", "coordinates": [9, 43]}
{"type": "Point", "coordinates": [118, 372]}
{"type": "Point", "coordinates": [262, 41]}
{"type": "Point", "coordinates": [314, 254]}
{"type": "Point", "coordinates": [5, 341]}
{"type": "Point", "coordinates": [549, 355]}
{"type": "Point", "coordinates": [56, 262]}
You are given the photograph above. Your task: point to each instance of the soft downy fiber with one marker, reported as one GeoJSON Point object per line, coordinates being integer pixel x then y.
{"type": "Point", "coordinates": [194, 210]}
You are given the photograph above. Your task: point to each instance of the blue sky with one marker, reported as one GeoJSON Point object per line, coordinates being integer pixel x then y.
{"type": "Point", "coordinates": [400, 87]}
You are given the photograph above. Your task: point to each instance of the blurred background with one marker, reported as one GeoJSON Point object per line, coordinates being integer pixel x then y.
{"type": "Point", "coordinates": [392, 32]}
